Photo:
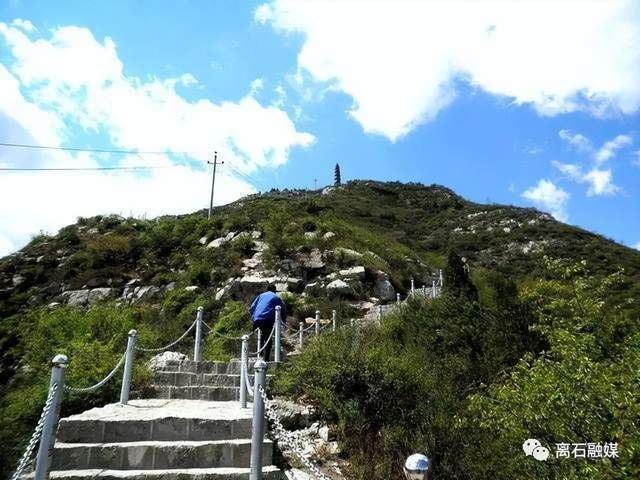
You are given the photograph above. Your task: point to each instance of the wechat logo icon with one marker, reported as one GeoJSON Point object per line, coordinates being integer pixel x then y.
{"type": "Point", "coordinates": [534, 448]}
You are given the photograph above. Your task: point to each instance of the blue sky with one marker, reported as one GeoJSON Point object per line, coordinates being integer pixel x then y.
{"type": "Point", "coordinates": [537, 104]}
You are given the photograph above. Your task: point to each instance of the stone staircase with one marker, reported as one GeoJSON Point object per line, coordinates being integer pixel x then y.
{"type": "Point", "coordinates": [194, 429]}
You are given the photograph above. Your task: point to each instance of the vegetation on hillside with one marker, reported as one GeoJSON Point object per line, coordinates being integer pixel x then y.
{"type": "Point", "coordinates": [468, 381]}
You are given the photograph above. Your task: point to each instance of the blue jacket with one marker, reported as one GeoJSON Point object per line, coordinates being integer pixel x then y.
{"type": "Point", "coordinates": [263, 308]}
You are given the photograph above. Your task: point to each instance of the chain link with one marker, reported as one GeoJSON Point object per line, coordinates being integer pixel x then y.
{"type": "Point", "coordinates": [286, 438]}
{"type": "Point", "coordinates": [167, 346]}
{"type": "Point", "coordinates": [37, 432]}
{"type": "Point", "coordinates": [264, 345]}
{"type": "Point", "coordinates": [101, 382]}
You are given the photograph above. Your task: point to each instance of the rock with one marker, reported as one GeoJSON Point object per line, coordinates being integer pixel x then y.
{"type": "Point", "coordinates": [166, 359]}
{"type": "Point", "coordinates": [310, 235]}
{"type": "Point", "coordinates": [312, 260]}
{"type": "Point", "coordinates": [362, 306]}
{"type": "Point", "coordinates": [230, 287]}
{"type": "Point", "coordinates": [313, 288]}
{"type": "Point", "coordinates": [130, 288]}
{"type": "Point", "coordinates": [148, 292]}
{"type": "Point", "coordinates": [339, 288]}
{"type": "Point", "coordinates": [170, 287]}
{"type": "Point", "coordinates": [383, 289]}
{"type": "Point", "coordinates": [292, 415]}
{"type": "Point", "coordinates": [191, 288]}
{"type": "Point", "coordinates": [239, 236]}
{"type": "Point", "coordinates": [296, 474]}
{"type": "Point", "coordinates": [203, 240]}
{"type": "Point", "coordinates": [260, 246]}
{"type": "Point", "coordinates": [94, 282]}
{"type": "Point", "coordinates": [251, 285]}
{"type": "Point", "coordinates": [327, 190]}
{"type": "Point", "coordinates": [256, 234]}
{"type": "Point", "coordinates": [17, 280]}
{"type": "Point", "coordinates": [53, 304]}
{"type": "Point", "coordinates": [328, 235]}
{"type": "Point", "coordinates": [76, 297]}
{"type": "Point", "coordinates": [289, 266]}
{"type": "Point", "coordinates": [347, 253]}
{"type": "Point", "coordinates": [294, 284]}
{"type": "Point", "coordinates": [354, 273]}
{"type": "Point", "coordinates": [251, 263]}
{"type": "Point", "coordinates": [327, 434]}
{"type": "Point", "coordinates": [99, 294]}
{"type": "Point", "coordinates": [218, 242]}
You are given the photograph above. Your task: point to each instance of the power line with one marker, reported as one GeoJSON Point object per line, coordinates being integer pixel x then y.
{"type": "Point", "coordinates": [92, 150]}
{"type": "Point", "coordinates": [256, 183]}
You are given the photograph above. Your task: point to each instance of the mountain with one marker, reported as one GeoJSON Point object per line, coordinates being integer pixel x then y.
{"type": "Point", "coordinates": [350, 248]}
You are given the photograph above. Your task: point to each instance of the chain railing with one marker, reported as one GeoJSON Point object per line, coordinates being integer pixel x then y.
{"type": "Point", "coordinates": [101, 382]}
{"type": "Point", "coordinates": [167, 347]}
{"type": "Point", "coordinates": [37, 432]}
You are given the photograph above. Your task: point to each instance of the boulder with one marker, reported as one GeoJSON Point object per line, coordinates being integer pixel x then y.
{"type": "Point", "coordinates": [356, 273]}
{"type": "Point", "coordinates": [169, 287]}
{"type": "Point", "coordinates": [165, 360]}
{"type": "Point", "coordinates": [218, 242]}
{"type": "Point", "coordinates": [99, 294]}
{"type": "Point", "coordinates": [347, 253]}
{"type": "Point", "coordinates": [17, 280]}
{"type": "Point", "coordinates": [203, 240]}
{"type": "Point", "coordinates": [77, 297]}
{"type": "Point", "coordinates": [256, 234]}
{"type": "Point", "coordinates": [251, 263]}
{"type": "Point", "coordinates": [310, 235]}
{"type": "Point", "coordinates": [251, 285]}
{"type": "Point", "coordinates": [313, 288]}
{"type": "Point", "coordinates": [383, 289]}
{"type": "Point", "coordinates": [192, 288]}
{"type": "Point", "coordinates": [148, 293]}
{"type": "Point", "coordinates": [239, 236]}
{"type": "Point", "coordinates": [130, 288]}
{"type": "Point", "coordinates": [312, 260]}
{"type": "Point", "coordinates": [292, 415]}
{"type": "Point", "coordinates": [339, 288]}
{"type": "Point", "coordinates": [328, 235]}
{"type": "Point", "coordinates": [290, 266]}
{"type": "Point", "coordinates": [294, 284]}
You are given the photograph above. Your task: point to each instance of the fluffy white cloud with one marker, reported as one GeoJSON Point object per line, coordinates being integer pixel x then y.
{"type": "Point", "coordinates": [608, 150]}
{"type": "Point", "coordinates": [637, 246]}
{"type": "Point", "coordinates": [400, 60]}
{"type": "Point", "coordinates": [577, 140]}
{"type": "Point", "coordinates": [73, 81]}
{"type": "Point", "coordinates": [600, 181]}
{"type": "Point", "coordinates": [550, 197]}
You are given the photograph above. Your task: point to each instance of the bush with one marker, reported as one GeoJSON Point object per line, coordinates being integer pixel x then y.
{"type": "Point", "coordinates": [233, 321]}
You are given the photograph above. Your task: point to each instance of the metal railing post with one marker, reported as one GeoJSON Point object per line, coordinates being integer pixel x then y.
{"type": "Point", "coordinates": [424, 291]}
{"type": "Point", "coordinates": [244, 354]}
{"type": "Point", "coordinates": [379, 312]}
{"type": "Point", "coordinates": [198, 345]}
{"type": "Point", "coordinates": [351, 322]}
{"type": "Point", "coordinates": [317, 322]}
{"type": "Point", "coordinates": [257, 426]}
{"type": "Point", "coordinates": [259, 342]}
{"type": "Point", "coordinates": [440, 277]}
{"type": "Point", "coordinates": [433, 289]}
{"type": "Point", "coordinates": [300, 334]}
{"type": "Point", "coordinates": [397, 298]}
{"type": "Point", "coordinates": [413, 286]}
{"type": "Point", "coordinates": [50, 424]}
{"type": "Point", "coordinates": [334, 319]}
{"type": "Point", "coordinates": [278, 333]}
{"type": "Point", "coordinates": [128, 367]}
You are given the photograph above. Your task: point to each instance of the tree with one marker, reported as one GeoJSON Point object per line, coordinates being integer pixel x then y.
{"type": "Point", "coordinates": [336, 174]}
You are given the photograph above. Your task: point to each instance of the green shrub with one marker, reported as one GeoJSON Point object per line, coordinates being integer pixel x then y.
{"type": "Point", "coordinates": [233, 321]}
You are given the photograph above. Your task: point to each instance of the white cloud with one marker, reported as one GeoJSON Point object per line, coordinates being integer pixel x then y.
{"type": "Point", "coordinates": [548, 196]}
{"type": "Point", "coordinates": [578, 141]}
{"type": "Point", "coordinates": [400, 60]}
{"type": "Point", "coordinates": [256, 86]}
{"type": "Point", "coordinates": [600, 181]}
{"type": "Point", "coordinates": [25, 25]}
{"type": "Point", "coordinates": [637, 246]}
{"type": "Point", "coordinates": [608, 150]}
{"type": "Point", "coordinates": [73, 80]}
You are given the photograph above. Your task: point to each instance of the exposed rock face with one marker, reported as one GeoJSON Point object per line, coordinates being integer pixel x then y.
{"type": "Point", "coordinates": [339, 288]}
{"type": "Point", "coordinates": [130, 288]}
{"type": "Point", "coordinates": [252, 285]}
{"type": "Point", "coordinates": [292, 415]}
{"type": "Point", "coordinates": [383, 289]}
{"type": "Point", "coordinates": [17, 280]}
{"type": "Point", "coordinates": [346, 253]}
{"type": "Point", "coordinates": [313, 288]}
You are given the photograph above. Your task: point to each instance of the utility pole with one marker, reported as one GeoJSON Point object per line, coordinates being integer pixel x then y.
{"type": "Point", "coordinates": [213, 179]}
{"type": "Point", "coordinates": [315, 183]}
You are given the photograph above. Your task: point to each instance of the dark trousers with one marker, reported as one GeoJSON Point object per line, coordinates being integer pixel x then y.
{"type": "Point", "coordinates": [265, 331]}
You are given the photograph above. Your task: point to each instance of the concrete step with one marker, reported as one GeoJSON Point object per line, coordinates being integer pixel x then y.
{"type": "Point", "coordinates": [268, 473]}
{"type": "Point", "coordinates": [157, 420]}
{"type": "Point", "coordinates": [156, 455]}
{"type": "Point", "coordinates": [197, 392]}
{"type": "Point", "coordinates": [231, 367]}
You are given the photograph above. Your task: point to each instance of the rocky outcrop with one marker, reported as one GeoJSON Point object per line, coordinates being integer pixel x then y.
{"type": "Point", "coordinates": [218, 242]}
{"type": "Point", "coordinates": [166, 359]}
{"type": "Point", "coordinates": [383, 289]}
{"type": "Point", "coordinates": [339, 288]}
{"type": "Point", "coordinates": [101, 294]}
{"type": "Point", "coordinates": [76, 297]}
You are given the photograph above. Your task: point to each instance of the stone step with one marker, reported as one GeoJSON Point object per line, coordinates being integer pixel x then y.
{"type": "Point", "coordinates": [268, 473]}
{"type": "Point", "coordinates": [184, 379]}
{"type": "Point", "coordinates": [231, 367]}
{"type": "Point", "coordinates": [156, 455]}
{"type": "Point", "coordinates": [197, 392]}
{"type": "Point", "coordinates": [157, 420]}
